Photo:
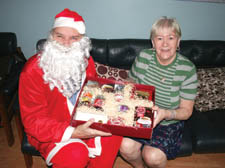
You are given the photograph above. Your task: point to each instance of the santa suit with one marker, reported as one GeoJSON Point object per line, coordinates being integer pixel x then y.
{"type": "Point", "coordinates": [46, 116]}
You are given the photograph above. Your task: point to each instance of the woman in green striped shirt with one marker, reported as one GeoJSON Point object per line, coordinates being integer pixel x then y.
{"type": "Point", "coordinates": [175, 80]}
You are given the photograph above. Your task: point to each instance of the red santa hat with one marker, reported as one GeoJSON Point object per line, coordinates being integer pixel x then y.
{"type": "Point", "coordinates": [68, 18]}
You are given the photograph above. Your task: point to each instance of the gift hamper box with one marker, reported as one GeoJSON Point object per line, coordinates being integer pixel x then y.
{"type": "Point", "coordinates": [122, 108]}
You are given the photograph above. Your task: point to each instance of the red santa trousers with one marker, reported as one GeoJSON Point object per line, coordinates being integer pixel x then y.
{"type": "Point", "coordinates": [75, 155]}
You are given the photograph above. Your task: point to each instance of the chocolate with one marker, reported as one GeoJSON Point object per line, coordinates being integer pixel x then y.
{"type": "Point", "coordinates": [116, 121]}
{"type": "Point", "coordinates": [98, 103]}
{"type": "Point", "coordinates": [107, 88]}
{"type": "Point", "coordinates": [142, 94]}
{"type": "Point", "coordinates": [118, 87]}
{"type": "Point", "coordinates": [123, 108]}
{"type": "Point", "coordinates": [144, 122]}
{"type": "Point", "coordinates": [118, 97]}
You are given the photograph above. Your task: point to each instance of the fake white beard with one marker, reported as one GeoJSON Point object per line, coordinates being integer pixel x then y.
{"type": "Point", "coordinates": [63, 67]}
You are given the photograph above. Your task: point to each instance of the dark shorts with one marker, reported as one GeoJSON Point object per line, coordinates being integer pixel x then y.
{"type": "Point", "coordinates": [167, 138]}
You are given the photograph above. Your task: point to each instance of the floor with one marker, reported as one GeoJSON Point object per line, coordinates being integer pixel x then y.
{"type": "Point", "coordinates": [11, 157]}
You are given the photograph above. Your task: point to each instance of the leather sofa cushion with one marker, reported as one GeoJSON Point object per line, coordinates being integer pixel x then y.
{"type": "Point", "coordinates": [186, 142]}
{"type": "Point", "coordinates": [208, 131]}
{"type": "Point", "coordinates": [211, 89]}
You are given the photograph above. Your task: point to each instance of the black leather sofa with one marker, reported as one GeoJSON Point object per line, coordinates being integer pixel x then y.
{"type": "Point", "coordinates": [204, 132]}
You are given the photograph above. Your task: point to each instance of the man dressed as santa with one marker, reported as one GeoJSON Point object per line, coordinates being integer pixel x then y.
{"type": "Point", "coordinates": [48, 89]}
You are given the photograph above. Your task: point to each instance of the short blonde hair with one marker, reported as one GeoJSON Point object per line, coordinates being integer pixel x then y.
{"type": "Point", "coordinates": [165, 22]}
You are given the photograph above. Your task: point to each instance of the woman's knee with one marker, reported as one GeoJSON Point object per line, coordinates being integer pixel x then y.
{"type": "Point", "coordinates": [129, 146]}
{"type": "Point", "coordinates": [71, 155]}
{"type": "Point", "coordinates": [154, 157]}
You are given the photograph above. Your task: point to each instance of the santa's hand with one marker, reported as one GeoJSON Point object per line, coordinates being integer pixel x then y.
{"type": "Point", "coordinates": [84, 131]}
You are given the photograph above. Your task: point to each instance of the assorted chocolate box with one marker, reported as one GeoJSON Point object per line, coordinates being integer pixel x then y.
{"type": "Point", "coordinates": [122, 108]}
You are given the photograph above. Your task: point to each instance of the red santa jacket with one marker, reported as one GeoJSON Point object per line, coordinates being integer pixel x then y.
{"type": "Point", "coordinates": [44, 112]}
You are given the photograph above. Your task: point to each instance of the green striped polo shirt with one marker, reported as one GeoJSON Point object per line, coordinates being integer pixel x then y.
{"type": "Point", "coordinates": [172, 82]}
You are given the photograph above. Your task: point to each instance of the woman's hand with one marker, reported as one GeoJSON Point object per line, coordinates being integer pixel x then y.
{"type": "Point", "coordinates": [84, 131]}
{"type": "Point", "coordinates": [182, 113]}
{"type": "Point", "coordinates": [159, 116]}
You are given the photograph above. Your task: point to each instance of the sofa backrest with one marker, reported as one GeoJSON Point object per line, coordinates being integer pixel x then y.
{"type": "Point", "coordinates": [114, 57]}
{"type": "Point", "coordinates": [120, 53]}
{"type": "Point", "coordinates": [204, 53]}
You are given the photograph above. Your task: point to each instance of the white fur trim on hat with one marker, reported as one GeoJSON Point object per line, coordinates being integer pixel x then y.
{"type": "Point", "coordinates": [69, 22]}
